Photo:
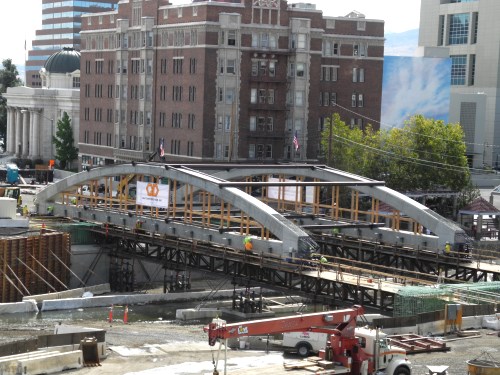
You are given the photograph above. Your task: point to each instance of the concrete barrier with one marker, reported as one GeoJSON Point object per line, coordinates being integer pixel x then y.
{"type": "Point", "coordinates": [73, 293]}
{"type": "Point", "coordinates": [9, 364]}
{"type": "Point", "coordinates": [130, 299]}
{"type": "Point", "coordinates": [27, 306]}
{"type": "Point", "coordinates": [51, 363]}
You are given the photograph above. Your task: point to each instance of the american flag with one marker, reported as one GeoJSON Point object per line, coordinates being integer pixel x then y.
{"type": "Point", "coordinates": [296, 142]}
{"type": "Point", "coordinates": [162, 150]}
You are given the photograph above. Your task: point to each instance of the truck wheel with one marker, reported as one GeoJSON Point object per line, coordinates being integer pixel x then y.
{"type": "Point", "coordinates": [401, 370]}
{"type": "Point", "coordinates": [303, 349]}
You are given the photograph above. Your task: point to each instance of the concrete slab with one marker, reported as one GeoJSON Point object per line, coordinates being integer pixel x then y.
{"type": "Point", "coordinates": [73, 293]}
{"type": "Point", "coordinates": [27, 306]}
{"type": "Point", "coordinates": [189, 314]}
{"type": "Point", "coordinates": [131, 299]}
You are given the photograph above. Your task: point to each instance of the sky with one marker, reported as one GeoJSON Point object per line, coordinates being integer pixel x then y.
{"type": "Point", "coordinates": [399, 16]}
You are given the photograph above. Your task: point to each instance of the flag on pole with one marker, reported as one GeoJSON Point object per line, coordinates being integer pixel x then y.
{"type": "Point", "coordinates": [162, 149]}
{"type": "Point", "coordinates": [296, 141]}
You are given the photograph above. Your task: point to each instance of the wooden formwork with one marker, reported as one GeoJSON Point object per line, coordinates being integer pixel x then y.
{"type": "Point", "coordinates": [33, 265]}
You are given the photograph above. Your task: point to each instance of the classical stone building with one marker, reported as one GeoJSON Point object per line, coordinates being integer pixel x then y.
{"type": "Point", "coordinates": [226, 81]}
{"type": "Point", "coordinates": [32, 113]}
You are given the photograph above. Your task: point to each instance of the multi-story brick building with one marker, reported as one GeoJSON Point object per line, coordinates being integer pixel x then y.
{"type": "Point", "coordinates": [223, 80]}
{"type": "Point", "coordinates": [61, 24]}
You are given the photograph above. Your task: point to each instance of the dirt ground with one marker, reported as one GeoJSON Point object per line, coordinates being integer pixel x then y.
{"type": "Point", "coordinates": [161, 347]}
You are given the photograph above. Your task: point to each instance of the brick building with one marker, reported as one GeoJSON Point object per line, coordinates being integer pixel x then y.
{"type": "Point", "coordinates": [223, 80]}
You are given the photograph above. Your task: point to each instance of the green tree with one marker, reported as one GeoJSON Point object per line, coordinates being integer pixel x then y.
{"type": "Point", "coordinates": [423, 155]}
{"type": "Point", "coordinates": [8, 78]}
{"type": "Point", "coordinates": [66, 152]}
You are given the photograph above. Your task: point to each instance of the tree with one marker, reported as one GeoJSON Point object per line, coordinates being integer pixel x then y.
{"type": "Point", "coordinates": [8, 78]}
{"type": "Point", "coordinates": [66, 152]}
{"type": "Point", "coordinates": [423, 155]}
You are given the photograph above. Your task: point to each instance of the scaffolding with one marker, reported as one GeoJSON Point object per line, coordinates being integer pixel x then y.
{"type": "Point", "coordinates": [413, 300]}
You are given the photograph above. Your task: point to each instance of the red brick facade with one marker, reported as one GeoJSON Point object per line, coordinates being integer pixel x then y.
{"type": "Point", "coordinates": [223, 81]}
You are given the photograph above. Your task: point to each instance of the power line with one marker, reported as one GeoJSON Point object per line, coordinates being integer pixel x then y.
{"type": "Point", "coordinates": [422, 162]}
{"type": "Point", "coordinates": [408, 131]}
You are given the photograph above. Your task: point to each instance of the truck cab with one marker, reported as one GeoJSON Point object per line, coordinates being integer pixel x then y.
{"type": "Point", "coordinates": [390, 360]}
{"type": "Point", "coordinates": [384, 357]}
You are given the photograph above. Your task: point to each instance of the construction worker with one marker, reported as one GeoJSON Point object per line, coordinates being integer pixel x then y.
{"type": "Point", "coordinates": [25, 210]}
{"type": "Point", "coordinates": [247, 242]}
{"type": "Point", "coordinates": [50, 210]}
{"type": "Point", "coordinates": [322, 262]}
{"type": "Point", "coordinates": [447, 248]}
{"type": "Point", "coordinates": [19, 201]}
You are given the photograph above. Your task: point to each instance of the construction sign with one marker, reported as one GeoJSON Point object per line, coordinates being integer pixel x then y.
{"type": "Point", "coordinates": [152, 194]}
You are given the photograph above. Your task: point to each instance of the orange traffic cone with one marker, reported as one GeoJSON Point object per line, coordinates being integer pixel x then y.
{"type": "Point", "coordinates": [110, 315]}
{"type": "Point", "coordinates": [125, 315]}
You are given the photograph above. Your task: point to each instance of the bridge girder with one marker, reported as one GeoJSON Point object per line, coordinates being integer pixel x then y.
{"type": "Point", "coordinates": [286, 235]}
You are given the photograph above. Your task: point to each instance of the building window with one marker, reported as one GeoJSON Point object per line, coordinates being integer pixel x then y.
{"type": "Point", "coordinates": [361, 25]}
{"type": "Point", "coordinates": [333, 98]}
{"type": "Point", "coordinates": [299, 41]}
{"type": "Point", "coordinates": [251, 151]}
{"type": "Point", "coordinates": [328, 73]}
{"type": "Point", "coordinates": [458, 69]}
{"type": "Point", "coordinates": [475, 26]}
{"type": "Point", "coordinates": [191, 121]}
{"type": "Point", "coordinates": [459, 29]}
{"type": "Point", "coordinates": [253, 96]}
{"type": "Point", "coordinates": [270, 96]}
{"type": "Point", "coordinates": [252, 125]}
{"type": "Point", "coordinates": [262, 96]}
{"type": "Point", "coordinates": [299, 98]}
{"type": "Point", "coordinates": [441, 30]}
{"type": "Point", "coordinates": [472, 74]}
{"type": "Point", "coordinates": [192, 93]}
{"type": "Point", "coordinates": [192, 66]}
{"type": "Point", "coordinates": [272, 68]}
{"type": "Point", "coordinates": [231, 66]}
{"type": "Point", "coordinates": [270, 124]}
{"type": "Point", "coordinates": [177, 66]}
{"type": "Point", "coordinates": [300, 70]}
{"type": "Point", "coordinates": [358, 74]}
{"type": "Point", "coordinates": [229, 96]}
{"type": "Point", "coordinates": [231, 38]}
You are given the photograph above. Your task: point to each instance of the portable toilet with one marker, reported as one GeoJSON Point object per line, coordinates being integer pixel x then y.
{"type": "Point", "coordinates": [12, 173]}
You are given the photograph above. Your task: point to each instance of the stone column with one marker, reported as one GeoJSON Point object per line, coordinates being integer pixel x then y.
{"type": "Point", "coordinates": [18, 132]}
{"type": "Point", "coordinates": [35, 133]}
{"type": "Point", "coordinates": [26, 133]}
{"type": "Point", "coordinates": [10, 136]}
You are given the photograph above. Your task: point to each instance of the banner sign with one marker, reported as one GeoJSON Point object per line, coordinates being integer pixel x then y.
{"type": "Point", "coordinates": [152, 194]}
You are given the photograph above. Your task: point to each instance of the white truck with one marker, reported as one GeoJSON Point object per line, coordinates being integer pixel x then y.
{"type": "Point", "coordinates": [392, 360]}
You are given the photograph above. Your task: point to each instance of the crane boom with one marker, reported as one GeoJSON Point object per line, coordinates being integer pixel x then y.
{"type": "Point", "coordinates": [304, 322]}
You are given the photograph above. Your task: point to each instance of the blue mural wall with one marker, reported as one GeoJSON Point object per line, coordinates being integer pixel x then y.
{"type": "Point", "coordinates": [415, 86]}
